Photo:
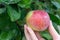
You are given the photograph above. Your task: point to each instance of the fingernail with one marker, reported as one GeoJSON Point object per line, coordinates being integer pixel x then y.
{"type": "Point", "coordinates": [25, 27]}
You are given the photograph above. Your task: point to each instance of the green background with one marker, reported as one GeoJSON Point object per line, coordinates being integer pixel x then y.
{"type": "Point", "coordinates": [13, 13]}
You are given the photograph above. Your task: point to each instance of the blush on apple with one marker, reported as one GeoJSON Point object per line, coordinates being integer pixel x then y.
{"type": "Point", "coordinates": [38, 20]}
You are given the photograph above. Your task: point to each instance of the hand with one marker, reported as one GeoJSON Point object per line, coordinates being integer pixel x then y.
{"type": "Point", "coordinates": [33, 35]}
{"type": "Point", "coordinates": [53, 32]}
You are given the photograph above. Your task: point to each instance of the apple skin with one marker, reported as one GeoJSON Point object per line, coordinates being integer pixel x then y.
{"type": "Point", "coordinates": [38, 20]}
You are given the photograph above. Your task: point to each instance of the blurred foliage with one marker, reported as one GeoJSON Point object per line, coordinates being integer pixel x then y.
{"type": "Point", "coordinates": [13, 12]}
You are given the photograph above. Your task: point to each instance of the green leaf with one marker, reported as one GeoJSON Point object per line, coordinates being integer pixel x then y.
{"type": "Point", "coordinates": [14, 15]}
{"type": "Point", "coordinates": [24, 38]}
{"type": "Point", "coordinates": [25, 3]}
{"type": "Point", "coordinates": [56, 27]}
{"type": "Point", "coordinates": [18, 37]}
{"type": "Point", "coordinates": [9, 1]}
{"type": "Point", "coordinates": [4, 20]}
{"type": "Point", "coordinates": [56, 4]}
{"type": "Point", "coordinates": [58, 13]}
{"type": "Point", "coordinates": [5, 23]}
{"type": "Point", "coordinates": [46, 35]}
{"type": "Point", "coordinates": [2, 10]}
{"type": "Point", "coordinates": [8, 35]}
{"type": "Point", "coordinates": [55, 19]}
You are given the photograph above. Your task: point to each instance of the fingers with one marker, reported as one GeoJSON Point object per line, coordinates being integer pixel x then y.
{"type": "Point", "coordinates": [38, 36]}
{"type": "Point", "coordinates": [32, 34]}
{"type": "Point", "coordinates": [52, 31]}
{"type": "Point", "coordinates": [26, 33]}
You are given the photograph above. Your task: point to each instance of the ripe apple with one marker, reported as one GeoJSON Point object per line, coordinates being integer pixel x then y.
{"type": "Point", "coordinates": [38, 20]}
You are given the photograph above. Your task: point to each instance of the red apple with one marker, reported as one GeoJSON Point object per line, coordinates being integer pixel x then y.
{"type": "Point", "coordinates": [38, 20]}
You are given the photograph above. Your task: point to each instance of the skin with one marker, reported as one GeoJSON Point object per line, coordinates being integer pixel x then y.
{"type": "Point", "coordinates": [33, 35]}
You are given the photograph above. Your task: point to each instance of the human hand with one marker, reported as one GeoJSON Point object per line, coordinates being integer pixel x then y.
{"type": "Point", "coordinates": [53, 32]}
{"type": "Point", "coordinates": [33, 35]}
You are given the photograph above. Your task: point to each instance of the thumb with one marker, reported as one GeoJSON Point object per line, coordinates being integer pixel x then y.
{"type": "Point", "coordinates": [52, 31]}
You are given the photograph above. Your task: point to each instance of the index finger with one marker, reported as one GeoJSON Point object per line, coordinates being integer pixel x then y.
{"type": "Point", "coordinates": [52, 31]}
{"type": "Point", "coordinates": [26, 33]}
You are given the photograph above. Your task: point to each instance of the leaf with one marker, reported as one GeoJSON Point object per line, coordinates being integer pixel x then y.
{"type": "Point", "coordinates": [56, 4]}
{"type": "Point", "coordinates": [23, 38]}
{"type": "Point", "coordinates": [58, 13]}
{"type": "Point", "coordinates": [55, 19]}
{"type": "Point", "coordinates": [7, 35]}
{"type": "Point", "coordinates": [9, 1]}
{"type": "Point", "coordinates": [58, 26]}
{"type": "Point", "coordinates": [25, 3]}
{"type": "Point", "coordinates": [5, 23]}
{"type": "Point", "coordinates": [46, 35]}
{"type": "Point", "coordinates": [14, 15]}
{"type": "Point", "coordinates": [4, 20]}
{"type": "Point", "coordinates": [2, 10]}
{"type": "Point", "coordinates": [18, 37]}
